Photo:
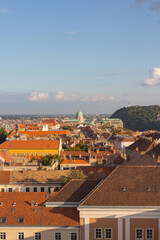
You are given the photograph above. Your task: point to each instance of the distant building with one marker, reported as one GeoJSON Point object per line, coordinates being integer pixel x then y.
{"type": "Point", "coordinates": [116, 122]}
{"type": "Point", "coordinates": [79, 116]}
{"type": "Point", "coordinates": [32, 148]}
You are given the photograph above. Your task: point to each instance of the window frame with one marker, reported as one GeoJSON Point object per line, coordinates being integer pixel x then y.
{"type": "Point", "coordinates": [136, 233]}
{"type": "Point", "coordinates": [73, 233]}
{"type": "Point", "coordinates": [20, 219]}
{"type": "Point", "coordinates": [105, 233]}
{"type": "Point", "coordinates": [2, 218]}
{"type": "Point", "coordinates": [55, 235]}
{"type": "Point", "coordinates": [18, 236]}
{"type": "Point", "coordinates": [5, 234]}
{"type": "Point", "coordinates": [152, 233]}
{"type": "Point", "coordinates": [35, 236]}
{"type": "Point", "coordinates": [35, 188]}
{"type": "Point", "coordinates": [95, 233]}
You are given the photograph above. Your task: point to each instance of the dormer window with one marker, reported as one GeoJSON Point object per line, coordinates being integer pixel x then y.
{"type": "Point", "coordinates": [2, 220]}
{"type": "Point", "coordinates": [148, 189]}
{"type": "Point", "coordinates": [123, 189]}
{"type": "Point", "coordinates": [20, 220]}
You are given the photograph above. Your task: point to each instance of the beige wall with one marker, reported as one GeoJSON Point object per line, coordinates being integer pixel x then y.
{"type": "Point", "coordinates": [144, 224]}
{"type": "Point", "coordinates": [82, 228]}
{"type": "Point", "coordinates": [47, 234]}
{"type": "Point", "coordinates": [22, 187]}
{"type": "Point", "coordinates": [104, 223]}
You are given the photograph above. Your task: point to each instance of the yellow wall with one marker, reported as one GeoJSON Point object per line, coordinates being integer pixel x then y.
{"type": "Point", "coordinates": [32, 151]}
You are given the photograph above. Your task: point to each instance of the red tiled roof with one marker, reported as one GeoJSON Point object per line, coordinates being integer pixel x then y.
{"type": "Point", "coordinates": [96, 170]}
{"type": "Point", "coordinates": [33, 144]}
{"type": "Point", "coordinates": [74, 161]}
{"type": "Point", "coordinates": [74, 153]}
{"type": "Point", "coordinates": [4, 177]}
{"type": "Point", "coordinates": [40, 133]}
{"type": "Point", "coordinates": [74, 191]}
{"type": "Point", "coordinates": [136, 180]}
{"type": "Point", "coordinates": [5, 157]}
{"type": "Point", "coordinates": [44, 216]}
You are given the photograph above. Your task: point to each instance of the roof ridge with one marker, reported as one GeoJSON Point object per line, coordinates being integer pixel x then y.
{"type": "Point", "coordinates": [98, 186]}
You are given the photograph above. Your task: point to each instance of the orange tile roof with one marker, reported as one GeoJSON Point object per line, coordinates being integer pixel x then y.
{"type": "Point", "coordinates": [4, 177]}
{"type": "Point", "coordinates": [45, 216]}
{"type": "Point", "coordinates": [74, 161]}
{"type": "Point", "coordinates": [40, 133]}
{"type": "Point", "coordinates": [6, 157]}
{"type": "Point", "coordinates": [33, 144]}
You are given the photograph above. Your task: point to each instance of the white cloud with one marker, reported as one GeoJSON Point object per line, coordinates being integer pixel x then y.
{"type": "Point", "coordinates": [38, 96]}
{"type": "Point", "coordinates": [61, 96]}
{"type": "Point", "coordinates": [93, 98]}
{"type": "Point", "coordinates": [112, 98]}
{"type": "Point", "coordinates": [71, 97]}
{"type": "Point", "coordinates": [4, 10]}
{"type": "Point", "coordinates": [71, 32]}
{"type": "Point", "coordinates": [154, 78]}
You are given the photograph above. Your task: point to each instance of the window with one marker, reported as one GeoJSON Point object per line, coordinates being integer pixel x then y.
{"type": "Point", "coordinates": [139, 233]}
{"type": "Point", "coordinates": [49, 189]}
{"type": "Point", "coordinates": [2, 189]}
{"type": "Point", "coordinates": [42, 189]}
{"type": "Point", "coordinates": [37, 236]}
{"type": "Point", "coordinates": [34, 189]}
{"type": "Point", "coordinates": [57, 236]}
{"type": "Point", "coordinates": [20, 235]}
{"type": "Point", "coordinates": [20, 220]}
{"type": "Point", "coordinates": [98, 233]}
{"type": "Point", "coordinates": [73, 236]}
{"type": "Point", "coordinates": [149, 233]}
{"type": "Point", "coordinates": [2, 220]}
{"type": "Point", "coordinates": [9, 189]}
{"type": "Point", "coordinates": [108, 233]}
{"type": "Point", "coordinates": [2, 235]}
{"type": "Point", "coordinates": [27, 189]}
{"type": "Point", "coordinates": [17, 154]}
{"type": "Point", "coordinates": [41, 153]}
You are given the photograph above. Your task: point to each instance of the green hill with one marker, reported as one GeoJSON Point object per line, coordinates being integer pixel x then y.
{"type": "Point", "coordinates": [139, 117]}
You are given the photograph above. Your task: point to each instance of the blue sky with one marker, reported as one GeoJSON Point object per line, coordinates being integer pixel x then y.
{"type": "Point", "coordinates": [57, 56]}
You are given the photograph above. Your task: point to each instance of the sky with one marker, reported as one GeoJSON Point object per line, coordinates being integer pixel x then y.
{"type": "Point", "coordinates": [58, 56]}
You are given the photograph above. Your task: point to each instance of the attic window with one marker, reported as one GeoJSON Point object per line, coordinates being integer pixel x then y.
{"type": "Point", "coordinates": [20, 220]}
{"type": "Point", "coordinates": [148, 189]}
{"type": "Point", "coordinates": [2, 220]}
{"type": "Point", "coordinates": [123, 189]}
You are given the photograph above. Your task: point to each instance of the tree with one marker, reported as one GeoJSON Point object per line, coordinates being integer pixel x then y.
{"type": "Point", "coordinates": [47, 160]}
{"type": "Point", "coordinates": [74, 174]}
{"type": "Point", "coordinates": [3, 135]}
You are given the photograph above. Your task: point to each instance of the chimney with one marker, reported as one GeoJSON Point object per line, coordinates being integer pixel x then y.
{"type": "Point", "coordinates": [80, 156]}
{"type": "Point", "coordinates": [32, 203]}
{"type": "Point", "coordinates": [89, 150]}
{"type": "Point", "coordinates": [158, 159]}
{"type": "Point", "coordinates": [153, 156]}
{"type": "Point", "coordinates": [52, 191]}
{"type": "Point", "coordinates": [137, 149]}
{"type": "Point", "coordinates": [97, 150]}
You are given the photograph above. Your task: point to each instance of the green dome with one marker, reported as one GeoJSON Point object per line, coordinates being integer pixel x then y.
{"type": "Point", "coordinates": [79, 114]}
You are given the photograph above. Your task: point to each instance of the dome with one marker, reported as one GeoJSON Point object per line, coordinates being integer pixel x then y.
{"type": "Point", "coordinates": [79, 114]}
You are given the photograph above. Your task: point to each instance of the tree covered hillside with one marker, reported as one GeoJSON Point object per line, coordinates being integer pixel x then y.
{"type": "Point", "coordinates": [139, 117]}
